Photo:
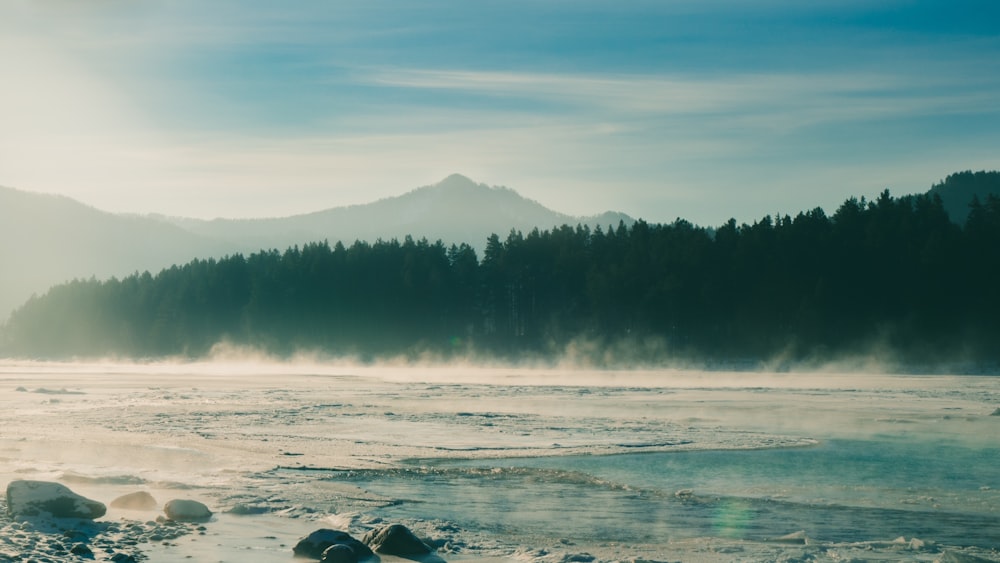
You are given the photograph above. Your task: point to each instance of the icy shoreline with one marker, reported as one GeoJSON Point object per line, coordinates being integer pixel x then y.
{"type": "Point", "coordinates": [45, 539]}
{"type": "Point", "coordinates": [250, 439]}
{"type": "Point", "coordinates": [266, 538]}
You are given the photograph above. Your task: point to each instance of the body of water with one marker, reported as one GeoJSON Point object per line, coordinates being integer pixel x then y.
{"type": "Point", "coordinates": [876, 489]}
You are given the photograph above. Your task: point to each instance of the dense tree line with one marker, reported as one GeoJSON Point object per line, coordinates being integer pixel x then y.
{"type": "Point", "coordinates": [958, 189]}
{"type": "Point", "coordinates": [893, 275]}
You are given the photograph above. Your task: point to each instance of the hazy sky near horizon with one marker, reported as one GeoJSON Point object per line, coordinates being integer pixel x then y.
{"type": "Point", "coordinates": [702, 109]}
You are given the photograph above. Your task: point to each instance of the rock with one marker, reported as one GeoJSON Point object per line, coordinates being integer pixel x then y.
{"type": "Point", "coordinates": [339, 553]}
{"type": "Point", "coordinates": [996, 412]}
{"type": "Point", "coordinates": [33, 498]}
{"type": "Point", "coordinates": [135, 501]}
{"type": "Point", "coordinates": [395, 539]}
{"type": "Point", "coordinates": [82, 550]}
{"type": "Point", "coordinates": [316, 543]}
{"type": "Point", "coordinates": [241, 509]}
{"type": "Point", "coordinates": [182, 510]}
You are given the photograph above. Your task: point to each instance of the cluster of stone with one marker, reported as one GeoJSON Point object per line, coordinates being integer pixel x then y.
{"type": "Point", "coordinates": [46, 522]}
{"type": "Point", "coordinates": [334, 546]}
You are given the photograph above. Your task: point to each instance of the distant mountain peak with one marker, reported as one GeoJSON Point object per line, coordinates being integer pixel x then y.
{"type": "Point", "coordinates": [456, 181]}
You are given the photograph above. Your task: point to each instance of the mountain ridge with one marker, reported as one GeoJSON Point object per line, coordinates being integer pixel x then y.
{"type": "Point", "coordinates": [444, 211]}
{"type": "Point", "coordinates": [812, 289]}
{"type": "Point", "coordinates": [958, 190]}
{"type": "Point", "coordinates": [47, 239]}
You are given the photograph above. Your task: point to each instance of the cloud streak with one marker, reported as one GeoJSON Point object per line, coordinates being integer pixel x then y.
{"type": "Point", "coordinates": [805, 98]}
{"type": "Point", "coordinates": [701, 110]}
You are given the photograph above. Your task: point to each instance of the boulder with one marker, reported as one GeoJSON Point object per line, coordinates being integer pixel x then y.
{"type": "Point", "coordinates": [35, 498]}
{"type": "Point", "coordinates": [315, 544]}
{"type": "Point", "coordinates": [182, 510]}
{"type": "Point", "coordinates": [395, 539]}
{"type": "Point", "coordinates": [83, 550]}
{"type": "Point", "coordinates": [339, 553]}
{"type": "Point", "coordinates": [135, 501]}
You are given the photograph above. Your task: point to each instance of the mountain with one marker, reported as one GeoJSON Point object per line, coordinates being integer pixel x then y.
{"type": "Point", "coordinates": [958, 190]}
{"type": "Point", "coordinates": [47, 239]}
{"type": "Point", "coordinates": [455, 210]}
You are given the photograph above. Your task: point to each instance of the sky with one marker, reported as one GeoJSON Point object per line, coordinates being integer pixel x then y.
{"type": "Point", "coordinates": [698, 109]}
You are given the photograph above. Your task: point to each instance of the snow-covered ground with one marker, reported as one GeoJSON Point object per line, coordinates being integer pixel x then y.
{"type": "Point", "coordinates": [499, 464]}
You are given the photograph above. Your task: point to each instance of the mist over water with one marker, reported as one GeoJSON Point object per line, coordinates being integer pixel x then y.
{"type": "Point", "coordinates": [506, 460]}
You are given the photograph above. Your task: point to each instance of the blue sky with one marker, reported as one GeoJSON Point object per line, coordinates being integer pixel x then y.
{"type": "Point", "coordinates": [703, 109]}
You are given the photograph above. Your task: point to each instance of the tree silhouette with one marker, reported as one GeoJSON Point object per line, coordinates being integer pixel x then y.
{"type": "Point", "coordinates": [892, 275]}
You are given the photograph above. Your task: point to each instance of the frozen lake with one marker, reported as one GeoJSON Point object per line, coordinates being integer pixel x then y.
{"type": "Point", "coordinates": [528, 465]}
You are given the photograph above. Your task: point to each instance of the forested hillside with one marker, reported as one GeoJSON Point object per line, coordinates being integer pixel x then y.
{"type": "Point", "coordinates": [47, 240]}
{"type": "Point", "coordinates": [892, 276]}
{"type": "Point", "coordinates": [961, 188]}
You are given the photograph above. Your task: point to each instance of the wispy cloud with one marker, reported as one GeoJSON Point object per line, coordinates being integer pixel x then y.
{"type": "Point", "coordinates": [792, 98]}
{"type": "Point", "coordinates": [699, 109]}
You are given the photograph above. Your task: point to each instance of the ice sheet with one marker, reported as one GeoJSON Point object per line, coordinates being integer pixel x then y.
{"type": "Point", "coordinates": [275, 436]}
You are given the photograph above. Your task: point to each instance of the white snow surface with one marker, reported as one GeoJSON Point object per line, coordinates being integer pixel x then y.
{"type": "Point", "coordinates": [262, 445]}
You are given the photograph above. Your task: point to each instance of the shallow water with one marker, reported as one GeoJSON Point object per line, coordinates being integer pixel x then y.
{"type": "Point", "coordinates": [838, 491]}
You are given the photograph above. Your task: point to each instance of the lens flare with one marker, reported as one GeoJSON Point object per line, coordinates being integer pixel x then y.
{"type": "Point", "coordinates": [732, 519]}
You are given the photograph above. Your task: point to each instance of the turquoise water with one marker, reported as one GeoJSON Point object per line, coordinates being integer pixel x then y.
{"type": "Point", "coordinates": [843, 472]}
{"type": "Point", "coordinates": [838, 491]}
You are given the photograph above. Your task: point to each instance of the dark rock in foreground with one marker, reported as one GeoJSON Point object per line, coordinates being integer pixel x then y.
{"type": "Point", "coordinates": [26, 499]}
{"type": "Point", "coordinates": [339, 553]}
{"type": "Point", "coordinates": [396, 539]}
{"type": "Point", "coordinates": [317, 543]}
{"type": "Point", "coordinates": [135, 501]}
{"type": "Point", "coordinates": [186, 511]}
{"type": "Point", "coordinates": [82, 550]}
